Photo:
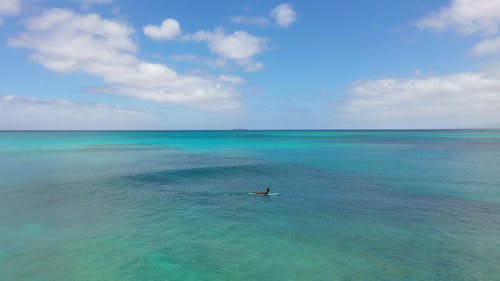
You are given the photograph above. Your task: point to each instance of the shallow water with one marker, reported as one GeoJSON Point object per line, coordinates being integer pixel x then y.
{"type": "Point", "coordinates": [354, 205]}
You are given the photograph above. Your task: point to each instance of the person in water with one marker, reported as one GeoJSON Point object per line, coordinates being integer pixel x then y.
{"type": "Point", "coordinates": [263, 192]}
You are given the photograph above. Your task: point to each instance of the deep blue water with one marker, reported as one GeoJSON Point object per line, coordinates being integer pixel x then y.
{"type": "Point", "coordinates": [353, 205]}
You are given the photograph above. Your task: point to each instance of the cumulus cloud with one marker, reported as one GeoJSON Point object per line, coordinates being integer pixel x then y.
{"type": "Point", "coordinates": [28, 113]}
{"type": "Point", "coordinates": [460, 100]}
{"type": "Point", "coordinates": [232, 79]}
{"type": "Point", "coordinates": [283, 14]}
{"type": "Point", "coordinates": [169, 29]}
{"type": "Point", "coordinates": [9, 8]}
{"type": "Point", "coordinates": [469, 17]}
{"type": "Point", "coordinates": [468, 99]}
{"type": "Point", "coordinates": [466, 16]}
{"type": "Point", "coordinates": [65, 41]}
{"type": "Point", "coordinates": [487, 47]}
{"type": "Point", "coordinates": [257, 21]}
{"type": "Point", "coordinates": [238, 46]}
{"type": "Point", "coordinates": [205, 61]}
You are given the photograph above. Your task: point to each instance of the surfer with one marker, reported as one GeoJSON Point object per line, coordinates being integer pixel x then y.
{"type": "Point", "coordinates": [263, 192]}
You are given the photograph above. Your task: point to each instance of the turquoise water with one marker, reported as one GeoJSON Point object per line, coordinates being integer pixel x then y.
{"type": "Point", "coordinates": [354, 205]}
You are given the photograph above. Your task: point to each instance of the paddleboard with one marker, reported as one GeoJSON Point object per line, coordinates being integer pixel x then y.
{"type": "Point", "coordinates": [269, 194]}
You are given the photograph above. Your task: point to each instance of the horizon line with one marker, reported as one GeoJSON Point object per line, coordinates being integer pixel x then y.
{"type": "Point", "coordinates": [239, 130]}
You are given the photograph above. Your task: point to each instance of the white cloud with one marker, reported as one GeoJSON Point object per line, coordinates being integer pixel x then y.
{"type": "Point", "coordinates": [283, 14]}
{"type": "Point", "coordinates": [487, 47]}
{"type": "Point", "coordinates": [468, 99]}
{"type": "Point", "coordinates": [206, 61]}
{"type": "Point", "coordinates": [458, 100]}
{"type": "Point", "coordinates": [469, 17]}
{"type": "Point", "coordinates": [258, 21]}
{"type": "Point", "coordinates": [169, 29]}
{"type": "Point", "coordinates": [65, 41]}
{"type": "Point", "coordinates": [238, 46]}
{"type": "Point", "coordinates": [232, 79]}
{"type": "Point", "coordinates": [466, 16]}
{"type": "Point", "coordinates": [27, 113]}
{"type": "Point", "coordinates": [10, 7]}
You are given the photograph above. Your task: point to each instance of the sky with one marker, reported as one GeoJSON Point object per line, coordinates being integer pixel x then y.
{"type": "Point", "coordinates": [182, 65]}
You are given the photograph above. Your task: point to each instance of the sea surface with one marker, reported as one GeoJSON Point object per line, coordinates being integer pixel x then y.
{"type": "Point", "coordinates": [153, 205]}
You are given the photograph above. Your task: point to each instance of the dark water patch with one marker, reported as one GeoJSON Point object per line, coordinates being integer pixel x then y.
{"type": "Point", "coordinates": [210, 173]}
{"type": "Point", "coordinates": [319, 192]}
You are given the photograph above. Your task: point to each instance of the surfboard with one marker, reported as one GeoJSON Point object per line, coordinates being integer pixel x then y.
{"type": "Point", "coordinates": [269, 194]}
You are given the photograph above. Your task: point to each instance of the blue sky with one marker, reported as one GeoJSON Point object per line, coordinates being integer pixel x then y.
{"type": "Point", "coordinates": [117, 64]}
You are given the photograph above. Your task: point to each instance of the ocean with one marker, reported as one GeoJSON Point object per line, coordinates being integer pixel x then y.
{"type": "Point", "coordinates": [173, 205]}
